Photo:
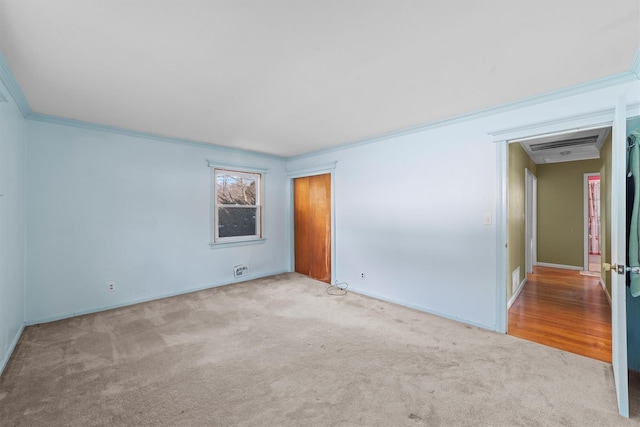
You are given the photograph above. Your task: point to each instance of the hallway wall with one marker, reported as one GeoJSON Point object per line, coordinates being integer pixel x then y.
{"type": "Point", "coordinates": [519, 160]}
{"type": "Point", "coordinates": [561, 212]}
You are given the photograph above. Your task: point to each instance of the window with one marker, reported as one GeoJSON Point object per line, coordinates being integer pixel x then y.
{"type": "Point", "coordinates": [237, 206]}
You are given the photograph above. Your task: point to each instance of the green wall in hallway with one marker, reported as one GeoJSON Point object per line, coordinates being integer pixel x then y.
{"type": "Point", "coordinates": [519, 160]}
{"type": "Point", "coordinates": [561, 211]}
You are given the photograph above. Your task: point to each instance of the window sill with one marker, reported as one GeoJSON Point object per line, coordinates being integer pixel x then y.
{"type": "Point", "coordinates": [219, 245]}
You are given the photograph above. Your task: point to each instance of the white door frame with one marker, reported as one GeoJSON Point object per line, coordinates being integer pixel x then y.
{"type": "Point", "coordinates": [595, 119]}
{"type": "Point", "coordinates": [321, 169]}
{"type": "Point", "coordinates": [534, 230]}
{"type": "Point", "coordinates": [585, 197]}
{"type": "Point", "coordinates": [531, 220]}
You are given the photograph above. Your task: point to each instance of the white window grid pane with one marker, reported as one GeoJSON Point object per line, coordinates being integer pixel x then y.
{"type": "Point", "coordinates": [257, 178]}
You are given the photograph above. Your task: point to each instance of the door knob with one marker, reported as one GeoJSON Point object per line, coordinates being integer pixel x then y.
{"type": "Point", "coordinates": [620, 269]}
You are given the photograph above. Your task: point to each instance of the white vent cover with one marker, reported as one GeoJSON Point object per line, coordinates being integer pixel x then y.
{"type": "Point", "coordinates": [565, 147]}
{"type": "Point", "coordinates": [567, 143]}
{"type": "Point", "coordinates": [240, 270]}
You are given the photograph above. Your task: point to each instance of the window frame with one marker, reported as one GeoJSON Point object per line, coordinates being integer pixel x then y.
{"type": "Point", "coordinates": [258, 176]}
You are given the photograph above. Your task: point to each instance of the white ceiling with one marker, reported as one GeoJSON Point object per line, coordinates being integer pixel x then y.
{"type": "Point", "coordinates": [289, 77]}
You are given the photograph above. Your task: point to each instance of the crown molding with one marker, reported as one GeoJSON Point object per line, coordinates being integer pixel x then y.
{"type": "Point", "coordinates": [635, 66]}
{"type": "Point", "coordinates": [10, 82]}
{"type": "Point", "coordinates": [8, 79]}
{"type": "Point", "coordinates": [602, 83]}
{"type": "Point", "coordinates": [37, 117]}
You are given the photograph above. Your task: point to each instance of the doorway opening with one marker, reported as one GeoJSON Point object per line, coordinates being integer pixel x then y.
{"type": "Point", "coordinates": [592, 261]}
{"type": "Point", "coordinates": [560, 300]}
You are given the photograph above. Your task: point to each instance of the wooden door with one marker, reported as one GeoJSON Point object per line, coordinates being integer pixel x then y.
{"type": "Point", "coordinates": [312, 226]}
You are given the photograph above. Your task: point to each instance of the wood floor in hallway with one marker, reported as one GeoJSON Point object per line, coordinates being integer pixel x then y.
{"type": "Point", "coordinates": [565, 310]}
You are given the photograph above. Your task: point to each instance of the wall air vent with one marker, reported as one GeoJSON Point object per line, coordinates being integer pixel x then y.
{"type": "Point", "coordinates": [576, 142]}
{"type": "Point", "coordinates": [566, 146]}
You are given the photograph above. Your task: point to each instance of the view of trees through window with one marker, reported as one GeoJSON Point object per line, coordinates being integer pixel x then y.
{"type": "Point", "coordinates": [237, 204]}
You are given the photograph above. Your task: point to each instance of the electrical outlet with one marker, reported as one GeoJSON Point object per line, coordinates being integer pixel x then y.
{"type": "Point", "coordinates": [111, 286]}
{"type": "Point", "coordinates": [362, 276]}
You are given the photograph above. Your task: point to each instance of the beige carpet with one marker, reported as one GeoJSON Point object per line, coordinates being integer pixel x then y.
{"type": "Point", "coordinates": [280, 351]}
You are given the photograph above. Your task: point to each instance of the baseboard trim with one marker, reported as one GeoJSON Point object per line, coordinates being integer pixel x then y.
{"type": "Point", "coordinates": [514, 297]}
{"type": "Point", "coordinates": [139, 301]}
{"type": "Point", "coordinates": [604, 288]}
{"type": "Point", "coordinates": [9, 352]}
{"type": "Point", "coordinates": [423, 309]}
{"type": "Point", "coordinates": [564, 267]}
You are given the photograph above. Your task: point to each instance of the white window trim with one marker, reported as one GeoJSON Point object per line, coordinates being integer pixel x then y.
{"type": "Point", "coordinates": [258, 238]}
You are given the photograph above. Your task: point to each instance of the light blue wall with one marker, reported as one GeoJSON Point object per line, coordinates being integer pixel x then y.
{"type": "Point", "coordinates": [12, 227]}
{"type": "Point", "coordinates": [109, 207]}
{"type": "Point", "coordinates": [409, 209]}
{"type": "Point", "coordinates": [409, 214]}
